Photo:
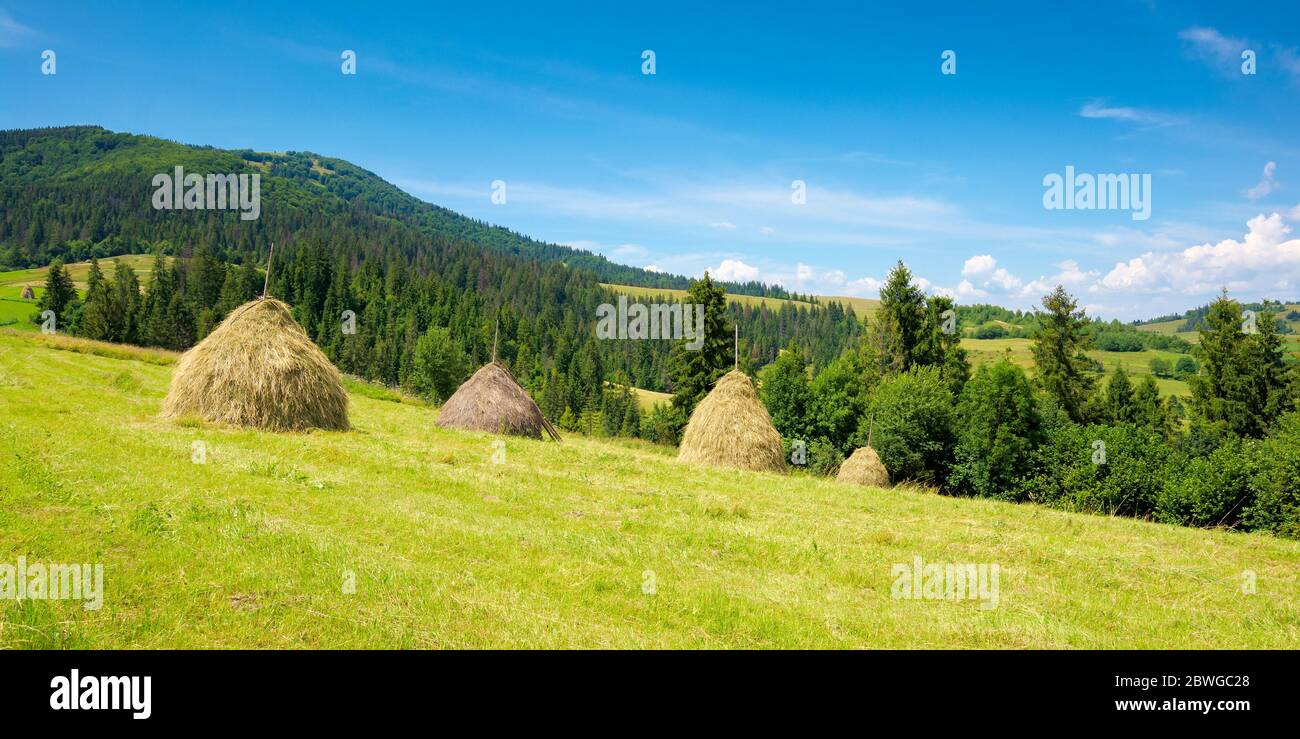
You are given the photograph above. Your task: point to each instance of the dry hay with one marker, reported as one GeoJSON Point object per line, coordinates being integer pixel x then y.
{"type": "Point", "coordinates": [28, 293]}
{"type": "Point", "coordinates": [259, 369]}
{"type": "Point", "coordinates": [731, 428]}
{"type": "Point", "coordinates": [864, 467]}
{"type": "Point", "coordinates": [492, 401]}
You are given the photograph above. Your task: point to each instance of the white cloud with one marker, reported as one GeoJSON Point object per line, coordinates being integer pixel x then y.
{"type": "Point", "coordinates": [652, 268]}
{"type": "Point", "coordinates": [1005, 279]}
{"type": "Point", "coordinates": [724, 225]}
{"type": "Point", "coordinates": [985, 270]}
{"type": "Point", "coordinates": [1266, 184]}
{"type": "Point", "coordinates": [767, 230]}
{"type": "Point", "coordinates": [12, 33]}
{"type": "Point", "coordinates": [1100, 110]}
{"type": "Point", "coordinates": [734, 270]}
{"type": "Point", "coordinates": [630, 252]}
{"type": "Point", "coordinates": [1217, 50]}
{"type": "Point", "coordinates": [1070, 275]}
{"type": "Point", "coordinates": [1263, 258]}
{"type": "Point", "coordinates": [978, 265]}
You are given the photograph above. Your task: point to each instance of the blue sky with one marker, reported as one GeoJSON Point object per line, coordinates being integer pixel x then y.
{"type": "Point", "coordinates": [691, 168]}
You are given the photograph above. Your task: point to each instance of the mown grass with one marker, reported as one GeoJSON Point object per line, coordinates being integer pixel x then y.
{"type": "Point", "coordinates": [555, 546]}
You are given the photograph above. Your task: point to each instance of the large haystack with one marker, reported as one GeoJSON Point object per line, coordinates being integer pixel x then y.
{"type": "Point", "coordinates": [259, 369]}
{"type": "Point", "coordinates": [492, 401]}
{"type": "Point", "coordinates": [864, 467]}
{"type": "Point", "coordinates": [28, 293]}
{"type": "Point", "coordinates": [731, 428]}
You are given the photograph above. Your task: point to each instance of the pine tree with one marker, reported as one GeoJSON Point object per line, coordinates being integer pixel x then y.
{"type": "Point", "coordinates": [1120, 406]}
{"type": "Point", "coordinates": [60, 295]}
{"type": "Point", "coordinates": [1059, 353]}
{"type": "Point", "coordinates": [899, 324]}
{"type": "Point", "coordinates": [695, 370]}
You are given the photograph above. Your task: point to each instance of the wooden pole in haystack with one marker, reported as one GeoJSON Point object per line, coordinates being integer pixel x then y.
{"type": "Point", "coordinates": [496, 336]}
{"type": "Point", "coordinates": [871, 426]}
{"type": "Point", "coordinates": [736, 349]}
{"type": "Point", "coordinates": [266, 284]}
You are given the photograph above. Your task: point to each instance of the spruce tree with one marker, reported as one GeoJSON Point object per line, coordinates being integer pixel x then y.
{"type": "Point", "coordinates": [695, 370]}
{"type": "Point", "coordinates": [1059, 353]}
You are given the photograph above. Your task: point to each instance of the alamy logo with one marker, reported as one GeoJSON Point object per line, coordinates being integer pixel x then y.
{"type": "Point", "coordinates": [53, 581]}
{"type": "Point", "coordinates": [180, 191]}
{"type": "Point", "coordinates": [948, 581]}
{"type": "Point", "coordinates": [654, 321]}
{"type": "Point", "coordinates": [1099, 192]}
{"type": "Point", "coordinates": [94, 693]}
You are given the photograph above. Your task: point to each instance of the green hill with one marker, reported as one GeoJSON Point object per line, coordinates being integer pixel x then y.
{"type": "Point", "coordinates": [402, 534]}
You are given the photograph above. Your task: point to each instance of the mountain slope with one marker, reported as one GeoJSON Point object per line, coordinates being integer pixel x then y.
{"type": "Point", "coordinates": [99, 182]}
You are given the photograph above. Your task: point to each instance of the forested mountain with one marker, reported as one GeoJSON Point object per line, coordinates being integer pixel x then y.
{"type": "Point", "coordinates": [87, 184]}
{"type": "Point", "coordinates": [426, 285]}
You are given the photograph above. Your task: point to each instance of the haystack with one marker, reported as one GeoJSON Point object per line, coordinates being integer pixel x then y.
{"type": "Point", "coordinates": [731, 428]}
{"type": "Point", "coordinates": [864, 467]}
{"type": "Point", "coordinates": [259, 369]}
{"type": "Point", "coordinates": [492, 401]}
{"type": "Point", "coordinates": [28, 293]}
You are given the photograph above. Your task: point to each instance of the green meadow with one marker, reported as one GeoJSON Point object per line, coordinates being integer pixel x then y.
{"type": "Point", "coordinates": [402, 534]}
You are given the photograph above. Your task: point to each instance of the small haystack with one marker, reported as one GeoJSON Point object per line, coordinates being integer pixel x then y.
{"type": "Point", "coordinates": [492, 401]}
{"type": "Point", "coordinates": [731, 428]}
{"type": "Point", "coordinates": [864, 467]}
{"type": "Point", "coordinates": [259, 369]}
{"type": "Point", "coordinates": [28, 293]}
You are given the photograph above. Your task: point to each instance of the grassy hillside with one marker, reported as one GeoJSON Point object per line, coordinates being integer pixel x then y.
{"type": "Point", "coordinates": [582, 544]}
{"type": "Point", "coordinates": [15, 311]}
{"type": "Point", "coordinates": [861, 306]}
{"type": "Point", "coordinates": [1137, 364]}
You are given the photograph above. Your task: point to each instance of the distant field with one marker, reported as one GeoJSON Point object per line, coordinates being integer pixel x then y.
{"type": "Point", "coordinates": [861, 306]}
{"type": "Point", "coordinates": [15, 312]}
{"type": "Point", "coordinates": [11, 283]}
{"type": "Point", "coordinates": [1018, 351]}
{"type": "Point", "coordinates": [649, 398]}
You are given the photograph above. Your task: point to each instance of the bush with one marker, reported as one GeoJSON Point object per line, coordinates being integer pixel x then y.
{"type": "Point", "coordinates": [913, 427]}
{"type": "Point", "coordinates": [663, 424]}
{"type": "Point", "coordinates": [1276, 507]}
{"type": "Point", "coordinates": [1213, 490]}
{"type": "Point", "coordinates": [824, 458]}
{"type": "Point", "coordinates": [1116, 470]}
{"type": "Point", "coordinates": [1000, 429]}
{"type": "Point", "coordinates": [993, 331]}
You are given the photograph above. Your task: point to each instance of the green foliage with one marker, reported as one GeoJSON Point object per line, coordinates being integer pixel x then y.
{"type": "Point", "coordinates": [1246, 382]}
{"type": "Point", "coordinates": [913, 425]}
{"type": "Point", "coordinates": [60, 296]}
{"type": "Point", "coordinates": [664, 424]}
{"type": "Point", "coordinates": [439, 365]}
{"type": "Point", "coordinates": [999, 428]}
{"type": "Point", "coordinates": [786, 394]}
{"type": "Point", "coordinates": [1214, 490]}
{"type": "Point", "coordinates": [824, 459]}
{"type": "Point", "coordinates": [1059, 353]}
{"type": "Point", "coordinates": [1276, 507]}
{"type": "Point", "coordinates": [839, 399]}
{"type": "Point", "coordinates": [1116, 470]}
{"type": "Point", "coordinates": [696, 370]}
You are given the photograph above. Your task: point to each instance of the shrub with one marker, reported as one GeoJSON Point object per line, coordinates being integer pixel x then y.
{"type": "Point", "coordinates": [1000, 427]}
{"type": "Point", "coordinates": [824, 458]}
{"type": "Point", "coordinates": [1214, 490]}
{"type": "Point", "coordinates": [1102, 469]}
{"type": "Point", "coordinates": [913, 426]}
{"type": "Point", "coordinates": [663, 424]}
{"type": "Point", "coordinates": [1277, 483]}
